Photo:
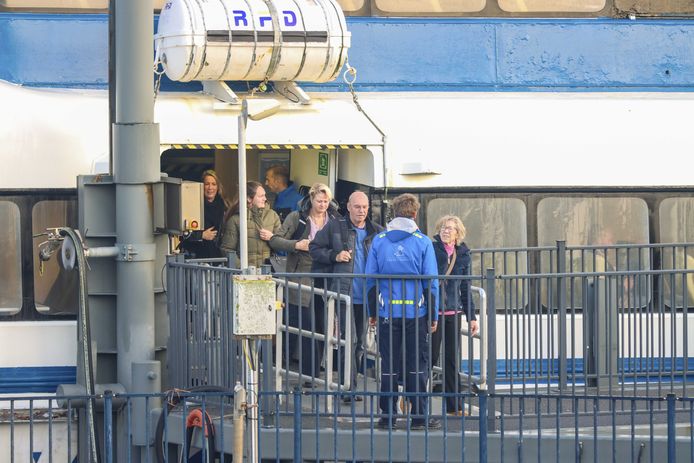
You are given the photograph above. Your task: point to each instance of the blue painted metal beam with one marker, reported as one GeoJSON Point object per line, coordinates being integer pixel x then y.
{"type": "Point", "coordinates": [408, 54]}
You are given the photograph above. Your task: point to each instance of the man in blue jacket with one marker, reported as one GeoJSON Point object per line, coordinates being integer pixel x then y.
{"type": "Point", "coordinates": [406, 309]}
{"type": "Point", "coordinates": [287, 199]}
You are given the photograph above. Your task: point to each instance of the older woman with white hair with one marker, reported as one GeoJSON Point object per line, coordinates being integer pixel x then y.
{"type": "Point", "coordinates": [453, 258]}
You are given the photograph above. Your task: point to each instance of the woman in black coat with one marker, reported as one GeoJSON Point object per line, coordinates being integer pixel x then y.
{"type": "Point", "coordinates": [453, 258]}
{"type": "Point", "coordinates": [205, 243]}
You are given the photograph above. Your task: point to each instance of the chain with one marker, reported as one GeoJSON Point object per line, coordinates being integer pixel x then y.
{"type": "Point", "coordinates": [159, 74]}
{"type": "Point", "coordinates": [350, 76]}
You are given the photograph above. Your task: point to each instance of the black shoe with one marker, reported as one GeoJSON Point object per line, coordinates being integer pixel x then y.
{"type": "Point", "coordinates": [419, 424]}
{"type": "Point", "coordinates": [349, 398]}
{"type": "Point", "coordinates": [387, 423]}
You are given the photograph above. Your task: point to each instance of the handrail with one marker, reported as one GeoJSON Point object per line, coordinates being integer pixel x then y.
{"type": "Point", "coordinates": [329, 339]}
{"type": "Point", "coordinates": [482, 336]}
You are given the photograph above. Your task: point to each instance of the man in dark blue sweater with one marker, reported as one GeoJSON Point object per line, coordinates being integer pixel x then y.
{"type": "Point", "coordinates": [287, 200]}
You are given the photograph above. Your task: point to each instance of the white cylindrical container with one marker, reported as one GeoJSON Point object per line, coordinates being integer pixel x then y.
{"type": "Point", "coordinates": [281, 40]}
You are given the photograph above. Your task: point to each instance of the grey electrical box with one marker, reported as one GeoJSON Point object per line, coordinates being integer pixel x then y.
{"type": "Point", "coordinates": [178, 206]}
{"type": "Point", "coordinates": [254, 306]}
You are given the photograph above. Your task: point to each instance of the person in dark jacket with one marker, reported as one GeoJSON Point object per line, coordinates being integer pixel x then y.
{"type": "Point", "coordinates": [341, 247]}
{"type": "Point", "coordinates": [298, 229]}
{"type": "Point", "coordinates": [406, 310]}
{"type": "Point", "coordinates": [205, 243]}
{"type": "Point", "coordinates": [453, 258]}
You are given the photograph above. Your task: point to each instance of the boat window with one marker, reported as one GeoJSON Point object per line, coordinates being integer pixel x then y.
{"type": "Point", "coordinates": [55, 4]}
{"type": "Point", "coordinates": [677, 226]}
{"type": "Point", "coordinates": [348, 6]}
{"type": "Point", "coordinates": [655, 7]}
{"type": "Point", "coordinates": [55, 289]}
{"type": "Point", "coordinates": [10, 259]}
{"type": "Point", "coordinates": [351, 6]}
{"type": "Point", "coordinates": [489, 223]}
{"type": "Point", "coordinates": [605, 226]}
{"type": "Point", "coordinates": [64, 5]}
{"type": "Point", "coordinates": [550, 6]}
{"type": "Point", "coordinates": [596, 222]}
{"type": "Point", "coordinates": [429, 6]}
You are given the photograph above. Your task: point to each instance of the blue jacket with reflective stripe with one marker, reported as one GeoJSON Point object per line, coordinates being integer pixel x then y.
{"type": "Point", "coordinates": [399, 252]}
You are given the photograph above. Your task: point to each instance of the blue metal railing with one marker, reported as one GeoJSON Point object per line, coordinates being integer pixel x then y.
{"type": "Point", "coordinates": [531, 427]}
{"type": "Point", "coordinates": [597, 329]}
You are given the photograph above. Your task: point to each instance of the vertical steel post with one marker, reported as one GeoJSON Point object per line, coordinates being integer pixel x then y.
{"type": "Point", "coordinates": [297, 424]}
{"type": "Point", "coordinates": [671, 429]}
{"type": "Point", "coordinates": [243, 212]}
{"type": "Point", "coordinates": [490, 278]}
{"type": "Point", "coordinates": [136, 168]}
{"type": "Point", "coordinates": [108, 426]}
{"type": "Point", "coordinates": [561, 295]}
{"type": "Point", "coordinates": [483, 426]}
{"type": "Point", "coordinates": [268, 380]}
{"type": "Point", "coordinates": [252, 398]}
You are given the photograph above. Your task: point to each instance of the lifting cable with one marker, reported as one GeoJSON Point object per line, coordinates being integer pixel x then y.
{"type": "Point", "coordinates": [350, 77]}
{"type": "Point", "coordinates": [85, 347]}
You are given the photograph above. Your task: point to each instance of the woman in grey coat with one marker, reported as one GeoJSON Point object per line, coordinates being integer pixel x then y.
{"type": "Point", "coordinates": [303, 310]}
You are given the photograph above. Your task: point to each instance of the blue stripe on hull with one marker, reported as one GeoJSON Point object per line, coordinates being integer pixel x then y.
{"type": "Point", "coordinates": [35, 379]}
{"type": "Point", "coordinates": [408, 54]}
{"type": "Point", "coordinates": [632, 369]}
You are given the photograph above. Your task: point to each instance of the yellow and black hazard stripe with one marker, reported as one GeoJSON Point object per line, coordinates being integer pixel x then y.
{"type": "Point", "coordinates": [265, 147]}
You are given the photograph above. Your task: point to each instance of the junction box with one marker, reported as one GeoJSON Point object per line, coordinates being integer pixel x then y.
{"type": "Point", "coordinates": [254, 306]}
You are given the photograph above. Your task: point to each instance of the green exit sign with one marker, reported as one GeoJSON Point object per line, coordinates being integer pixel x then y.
{"type": "Point", "coordinates": [323, 164]}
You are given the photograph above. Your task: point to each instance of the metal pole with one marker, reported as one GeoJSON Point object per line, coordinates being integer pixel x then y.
{"type": "Point", "coordinates": [561, 296]}
{"type": "Point", "coordinates": [111, 79]}
{"type": "Point", "coordinates": [108, 426]}
{"type": "Point", "coordinates": [252, 398]}
{"type": "Point", "coordinates": [671, 429]}
{"type": "Point", "coordinates": [483, 426]}
{"type": "Point", "coordinates": [243, 212]}
{"type": "Point", "coordinates": [490, 340]}
{"type": "Point", "coordinates": [239, 415]}
{"type": "Point", "coordinates": [136, 167]}
{"type": "Point", "coordinates": [297, 424]}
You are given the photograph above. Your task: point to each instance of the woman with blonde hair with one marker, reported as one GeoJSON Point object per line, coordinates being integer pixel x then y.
{"type": "Point", "coordinates": [298, 229]}
{"type": "Point", "coordinates": [205, 243]}
{"type": "Point", "coordinates": [453, 258]}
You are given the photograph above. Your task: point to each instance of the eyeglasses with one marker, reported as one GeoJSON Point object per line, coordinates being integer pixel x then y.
{"type": "Point", "coordinates": [447, 228]}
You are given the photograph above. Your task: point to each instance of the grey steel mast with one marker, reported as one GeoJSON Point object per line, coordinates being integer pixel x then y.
{"type": "Point", "coordinates": [135, 169]}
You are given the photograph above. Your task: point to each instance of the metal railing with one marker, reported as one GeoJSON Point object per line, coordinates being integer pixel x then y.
{"type": "Point", "coordinates": [328, 336]}
{"type": "Point", "coordinates": [209, 426]}
{"type": "Point", "coordinates": [562, 258]}
{"type": "Point", "coordinates": [201, 349]}
{"type": "Point", "coordinates": [615, 331]}
{"type": "Point", "coordinates": [612, 331]}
